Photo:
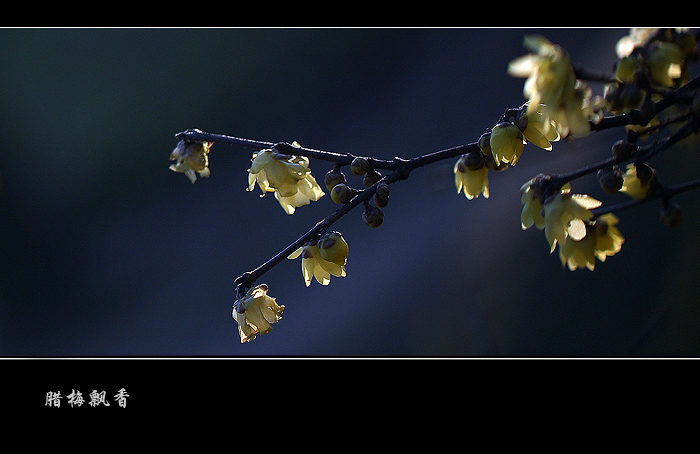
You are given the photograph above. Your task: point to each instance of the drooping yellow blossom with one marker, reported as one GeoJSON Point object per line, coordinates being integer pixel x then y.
{"type": "Point", "coordinates": [551, 82]}
{"type": "Point", "coordinates": [635, 186]}
{"type": "Point", "coordinates": [333, 248]}
{"type": "Point", "coordinates": [191, 157]}
{"type": "Point", "coordinates": [506, 143]}
{"type": "Point", "coordinates": [531, 197]}
{"type": "Point", "coordinates": [255, 313]}
{"type": "Point", "coordinates": [548, 72]}
{"type": "Point", "coordinates": [471, 175]}
{"type": "Point", "coordinates": [665, 62]}
{"type": "Point", "coordinates": [602, 240]}
{"type": "Point", "coordinates": [538, 130]}
{"type": "Point", "coordinates": [565, 215]}
{"type": "Point", "coordinates": [289, 177]}
{"type": "Point", "coordinates": [608, 239]}
{"type": "Point", "coordinates": [314, 265]}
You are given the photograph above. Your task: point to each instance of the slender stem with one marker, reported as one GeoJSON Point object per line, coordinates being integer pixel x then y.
{"type": "Point", "coordinates": [642, 117]}
{"type": "Point", "coordinates": [247, 279]}
{"type": "Point", "coordinates": [666, 193]}
{"type": "Point", "coordinates": [402, 169]}
{"type": "Point", "coordinates": [282, 147]}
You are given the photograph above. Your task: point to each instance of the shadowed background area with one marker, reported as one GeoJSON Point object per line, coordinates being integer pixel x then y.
{"type": "Point", "coordinates": [106, 252]}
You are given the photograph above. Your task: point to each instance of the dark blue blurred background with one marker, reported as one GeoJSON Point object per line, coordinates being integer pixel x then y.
{"type": "Point", "coordinates": [104, 251]}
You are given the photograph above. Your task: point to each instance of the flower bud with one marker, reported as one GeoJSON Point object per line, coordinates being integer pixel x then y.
{"type": "Point", "coordinates": [372, 216]}
{"type": "Point", "coordinates": [644, 173]}
{"type": "Point", "coordinates": [623, 149]}
{"type": "Point", "coordinates": [333, 248]}
{"type": "Point", "coordinates": [671, 215]}
{"type": "Point", "coordinates": [371, 177]}
{"type": "Point", "coordinates": [623, 97]}
{"type": "Point", "coordinates": [521, 123]}
{"type": "Point", "coordinates": [359, 166]}
{"type": "Point", "coordinates": [506, 143]}
{"type": "Point", "coordinates": [382, 190]}
{"type": "Point", "coordinates": [334, 177]}
{"type": "Point", "coordinates": [381, 196]}
{"type": "Point", "coordinates": [485, 143]}
{"type": "Point", "coordinates": [341, 193]}
{"type": "Point", "coordinates": [610, 179]}
{"type": "Point", "coordinates": [380, 202]}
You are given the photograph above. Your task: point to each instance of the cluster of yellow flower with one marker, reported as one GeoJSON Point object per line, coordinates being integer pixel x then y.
{"type": "Point", "coordinates": [501, 146]}
{"type": "Point", "coordinates": [649, 58]}
{"type": "Point", "coordinates": [288, 177]}
{"type": "Point", "coordinates": [552, 86]}
{"type": "Point", "coordinates": [559, 105]}
{"type": "Point", "coordinates": [567, 220]}
{"type": "Point", "coordinates": [322, 258]}
{"type": "Point", "coordinates": [658, 55]}
{"type": "Point", "coordinates": [255, 312]}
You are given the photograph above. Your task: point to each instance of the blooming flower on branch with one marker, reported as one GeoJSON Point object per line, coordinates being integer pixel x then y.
{"type": "Point", "coordinates": [602, 240]}
{"type": "Point", "coordinates": [471, 175]}
{"type": "Point", "coordinates": [665, 62]}
{"type": "Point", "coordinates": [314, 265]}
{"type": "Point", "coordinates": [256, 312]}
{"type": "Point", "coordinates": [538, 130]}
{"type": "Point", "coordinates": [565, 215]}
{"type": "Point", "coordinates": [551, 83]}
{"type": "Point", "coordinates": [191, 157]}
{"type": "Point", "coordinates": [638, 185]}
{"type": "Point", "coordinates": [289, 177]}
{"type": "Point", "coordinates": [506, 143]}
{"type": "Point", "coordinates": [531, 197]}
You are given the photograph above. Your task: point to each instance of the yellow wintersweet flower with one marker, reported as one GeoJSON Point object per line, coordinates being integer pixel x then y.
{"type": "Point", "coordinates": [333, 248]}
{"type": "Point", "coordinates": [548, 72]}
{"type": "Point", "coordinates": [289, 177]}
{"type": "Point", "coordinates": [602, 240]}
{"type": "Point", "coordinates": [314, 265]}
{"type": "Point", "coordinates": [565, 215]}
{"type": "Point", "coordinates": [531, 198]}
{"type": "Point", "coordinates": [636, 186]}
{"type": "Point", "coordinates": [578, 253]}
{"type": "Point", "coordinates": [471, 175]}
{"type": "Point", "coordinates": [538, 130]}
{"type": "Point", "coordinates": [551, 83]}
{"type": "Point", "coordinates": [665, 62]}
{"type": "Point", "coordinates": [191, 157]}
{"type": "Point", "coordinates": [506, 143]}
{"type": "Point", "coordinates": [608, 239]}
{"type": "Point", "coordinates": [255, 313]}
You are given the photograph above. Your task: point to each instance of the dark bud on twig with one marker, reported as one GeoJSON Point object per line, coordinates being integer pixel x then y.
{"type": "Point", "coordinates": [359, 166]}
{"type": "Point", "coordinates": [610, 179]}
{"type": "Point", "coordinates": [671, 215]}
{"type": "Point", "coordinates": [334, 177]}
{"type": "Point", "coordinates": [371, 177]}
{"type": "Point", "coordinates": [623, 149]}
{"type": "Point", "coordinates": [372, 216]}
{"type": "Point", "coordinates": [342, 194]}
{"type": "Point", "coordinates": [381, 196]}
